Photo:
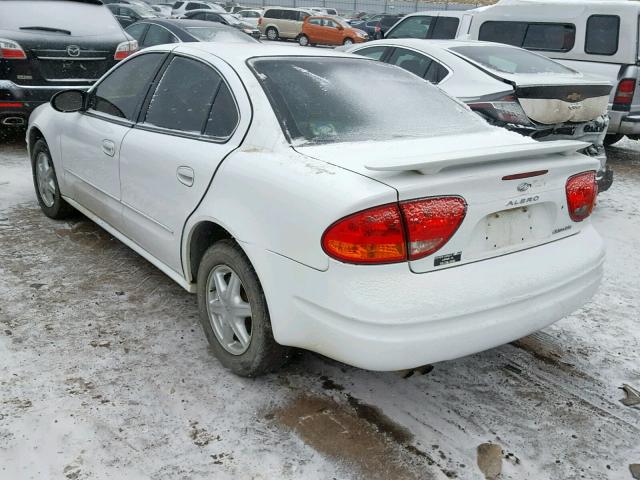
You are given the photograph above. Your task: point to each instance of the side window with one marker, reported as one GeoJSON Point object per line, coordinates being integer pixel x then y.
{"type": "Point", "coordinates": [555, 37]}
{"type": "Point", "coordinates": [194, 6]}
{"type": "Point", "coordinates": [411, 61]}
{"type": "Point", "coordinates": [445, 28]}
{"type": "Point", "coordinates": [290, 15]}
{"type": "Point", "coordinates": [436, 73]}
{"type": "Point", "coordinates": [137, 31]}
{"type": "Point", "coordinates": [412, 27]}
{"type": "Point", "coordinates": [302, 16]}
{"type": "Point", "coordinates": [197, 16]}
{"type": "Point", "coordinates": [374, 53]}
{"type": "Point", "coordinates": [511, 33]}
{"type": "Point", "coordinates": [123, 90]}
{"type": "Point", "coordinates": [158, 36]}
{"type": "Point", "coordinates": [315, 21]}
{"type": "Point", "coordinates": [602, 36]}
{"type": "Point", "coordinates": [177, 5]}
{"type": "Point", "coordinates": [184, 96]}
{"type": "Point", "coordinates": [273, 14]}
{"type": "Point", "coordinates": [331, 24]}
{"type": "Point", "coordinates": [223, 118]}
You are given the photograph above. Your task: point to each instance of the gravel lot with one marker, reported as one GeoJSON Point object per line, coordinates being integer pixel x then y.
{"type": "Point", "coordinates": [105, 374]}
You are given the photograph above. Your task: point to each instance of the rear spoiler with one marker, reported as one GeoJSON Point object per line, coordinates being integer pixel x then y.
{"type": "Point", "coordinates": [429, 164]}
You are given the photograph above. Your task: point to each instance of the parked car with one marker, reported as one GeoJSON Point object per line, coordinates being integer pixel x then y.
{"type": "Point", "coordinates": [279, 22]}
{"type": "Point", "coordinates": [225, 19]}
{"type": "Point", "coordinates": [593, 36]}
{"type": "Point", "coordinates": [128, 14]}
{"type": "Point", "coordinates": [163, 10]}
{"type": "Point", "coordinates": [329, 31]}
{"type": "Point", "coordinates": [324, 11]}
{"type": "Point", "coordinates": [436, 25]}
{"type": "Point", "coordinates": [164, 30]}
{"type": "Point", "coordinates": [510, 87]}
{"type": "Point", "coordinates": [180, 8]}
{"type": "Point", "coordinates": [385, 235]}
{"type": "Point", "coordinates": [250, 16]}
{"type": "Point", "coordinates": [378, 25]}
{"type": "Point", "coordinates": [43, 51]}
{"type": "Point", "coordinates": [235, 9]}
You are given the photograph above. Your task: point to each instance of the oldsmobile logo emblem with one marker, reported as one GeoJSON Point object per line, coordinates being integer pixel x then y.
{"type": "Point", "coordinates": [574, 97]}
{"type": "Point", "coordinates": [73, 50]}
{"type": "Point", "coordinates": [523, 187]}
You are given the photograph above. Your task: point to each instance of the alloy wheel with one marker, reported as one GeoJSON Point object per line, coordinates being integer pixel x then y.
{"type": "Point", "coordinates": [229, 310]}
{"type": "Point", "coordinates": [45, 179]}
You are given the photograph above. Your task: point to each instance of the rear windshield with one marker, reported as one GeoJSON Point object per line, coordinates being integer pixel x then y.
{"type": "Point", "coordinates": [80, 19]}
{"type": "Point", "coordinates": [511, 60]}
{"type": "Point", "coordinates": [210, 34]}
{"type": "Point", "coordinates": [321, 100]}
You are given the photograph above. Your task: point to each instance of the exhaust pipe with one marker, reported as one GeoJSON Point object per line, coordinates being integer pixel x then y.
{"type": "Point", "coordinates": [13, 121]}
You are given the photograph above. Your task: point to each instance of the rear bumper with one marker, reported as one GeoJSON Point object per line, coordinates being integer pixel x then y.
{"type": "Point", "coordinates": [24, 99]}
{"type": "Point", "coordinates": [624, 123]}
{"type": "Point", "coordinates": [388, 318]}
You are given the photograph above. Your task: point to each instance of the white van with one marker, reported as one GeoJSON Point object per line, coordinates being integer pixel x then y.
{"type": "Point", "coordinates": [593, 36]}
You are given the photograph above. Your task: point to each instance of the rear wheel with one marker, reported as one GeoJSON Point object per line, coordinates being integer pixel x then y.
{"type": "Point", "coordinates": [303, 40]}
{"type": "Point", "coordinates": [271, 33]}
{"type": "Point", "coordinates": [347, 42]}
{"type": "Point", "coordinates": [233, 312]}
{"type": "Point", "coordinates": [611, 139]}
{"type": "Point", "coordinates": [45, 182]}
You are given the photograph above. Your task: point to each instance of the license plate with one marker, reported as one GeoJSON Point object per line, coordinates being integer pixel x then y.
{"type": "Point", "coordinates": [510, 227]}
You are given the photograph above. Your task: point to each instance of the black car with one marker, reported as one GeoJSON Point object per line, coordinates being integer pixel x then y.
{"type": "Point", "coordinates": [159, 31]}
{"type": "Point", "coordinates": [128, 14]}
{"type": "Point", "coordinates": [52, 45]}
{"type": "Point", "coordinates": [377, 25]}
{"type": "Point", "coordinates": [225, 19]}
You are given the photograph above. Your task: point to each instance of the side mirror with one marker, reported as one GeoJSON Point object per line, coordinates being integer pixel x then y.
{"type": "Point", "coordinates": [68, 101]}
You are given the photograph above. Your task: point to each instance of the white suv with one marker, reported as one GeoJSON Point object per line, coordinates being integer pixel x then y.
{"type": "Point", "coordinates": [180, 8]}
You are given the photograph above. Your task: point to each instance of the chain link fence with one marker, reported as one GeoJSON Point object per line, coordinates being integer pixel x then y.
{"type": "Point", "coordinates": [350, 7]}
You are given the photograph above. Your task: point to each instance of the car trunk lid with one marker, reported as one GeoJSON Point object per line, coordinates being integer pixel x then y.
{"type": "Point", "coordinates": [503, 215]}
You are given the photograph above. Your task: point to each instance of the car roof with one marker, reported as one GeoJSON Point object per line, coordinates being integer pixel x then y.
{"type": "Point", "coordinates": [419, 43]}
{"type": "Point", "coordinates": [182, 23]}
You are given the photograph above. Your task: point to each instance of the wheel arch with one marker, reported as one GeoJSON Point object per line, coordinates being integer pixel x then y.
{"type": "Point", "coordinates": [201, 236]}
{"type": "Point", "coordinates": [33, 135]}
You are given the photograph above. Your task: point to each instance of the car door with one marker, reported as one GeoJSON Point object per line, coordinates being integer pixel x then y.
{"type": "Point", "coordinates": [313, 30]}
{"type": "Point", "coordinates": [91, 143]}
{"type": "Point", "coordinates": [196, 116]}
{"type": "Point", "coordinates": [333, 34]}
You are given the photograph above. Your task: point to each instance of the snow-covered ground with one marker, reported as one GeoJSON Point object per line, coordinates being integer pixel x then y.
{"type": "Point", "coordinates": [105, 374]}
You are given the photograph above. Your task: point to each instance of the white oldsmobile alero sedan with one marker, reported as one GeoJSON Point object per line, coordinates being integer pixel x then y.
{"type": "Point", "coordinates": [386, 235]}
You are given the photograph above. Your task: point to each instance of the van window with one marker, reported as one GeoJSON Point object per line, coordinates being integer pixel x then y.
{"type": "Point", "coordinates": [553, 37]}
{"type": "Point", "coordinates": [602, 34]}
{"type": "Point", "coordinates": [273, 14]}
{"type": "Point", "coordinates": [446, 28]}
{"type": "Point", "coordinates": [412, 27]}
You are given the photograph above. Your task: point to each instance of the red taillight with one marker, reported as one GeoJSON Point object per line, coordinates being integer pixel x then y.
{"type": "Point", "coordinates": [375, 235]}
{"type": "Point", "coordinates": [625, 91]}
{"type": "Point", "coordinates": [260, 21]}
{"type": "Point", "coordinates": [10, 104]}
{"type": "Point", "coordinates": [431, 222]}
{"type": "Point", "coordinates": [395, 233]}
{"type": "Point", "coordinates": [125, 49]}
{"type": "Point", "coordinates": [11, 50]}
{"type": "Point", "coordinates": [582, 190]}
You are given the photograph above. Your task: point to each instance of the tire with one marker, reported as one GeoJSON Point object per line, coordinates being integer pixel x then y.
{"type": "Point", "coordinates": [347, 42]}
{"type": "Point", "coordinates": [611, 139]}
{"type": "Point", "coordinates": [45, 182]}
{"type": "Point", "coordinates": [248, 348]}
{"type": "Point", "coordinates": [303, 40]}
{"type": "Point", "coordinates": [271, 33]}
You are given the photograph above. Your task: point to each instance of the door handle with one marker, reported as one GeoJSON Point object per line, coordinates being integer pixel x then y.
{"type": "Point", "coordinates": [109, 148]}
{"type": "Point", "coordinates": [185, 176]}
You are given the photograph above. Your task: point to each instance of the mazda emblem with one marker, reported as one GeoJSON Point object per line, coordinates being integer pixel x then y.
{"type": "Point", "coordinates": [73, 50]}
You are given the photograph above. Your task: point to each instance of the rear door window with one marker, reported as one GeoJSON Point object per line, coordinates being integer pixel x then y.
{"type": "Point", "coordinates": [223, 117]}
{"type": "Point", "coordinates": [553, 37]}
{"type": "Point", "coordinates": [158, 36]}
{"type": "Point", "coordinates": [411, 61]}
{"type": "Point", "coordinates": [273, 14]}
{"type": "Point", "coordinates": [375, 53]}
{"type": "Point", "coordinates": [602, 36]}
{"type": "Point", "coordinates": [436, 73]}
{"type": "Point", "coordinates": [412, 27]}
{"type": "Point", "coordinates": [137, 31]}
{"type": "Point", "coordinates": [184, 96]}
{"type": "Point", "coordinates": [445, 28]}
{"type": "Point", "coordinates": [124, 89]}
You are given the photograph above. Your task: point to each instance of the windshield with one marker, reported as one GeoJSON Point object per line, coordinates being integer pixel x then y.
{"type": "Point", "coordinates": [321, 100]}
{"type": "Point", "coordinates": [210, 34]}
{"type": "Point", "coordinates": [80, 19]}
{"type": "Point", "coordinates": [144, 12]}
{"type": "Point", "coordinates": [512, 60]}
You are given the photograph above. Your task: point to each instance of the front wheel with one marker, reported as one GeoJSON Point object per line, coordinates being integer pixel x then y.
{"type": "Point", "coordinates": [46, 184]}
{"type": "Point", "coordinates": [347, 42]}
{"type": "Point", "coordinates": [271, 33]}
{"type": "Point", "coordinates": [233, 312]}
{"type": "Point", "coordinates": [303, 40]}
